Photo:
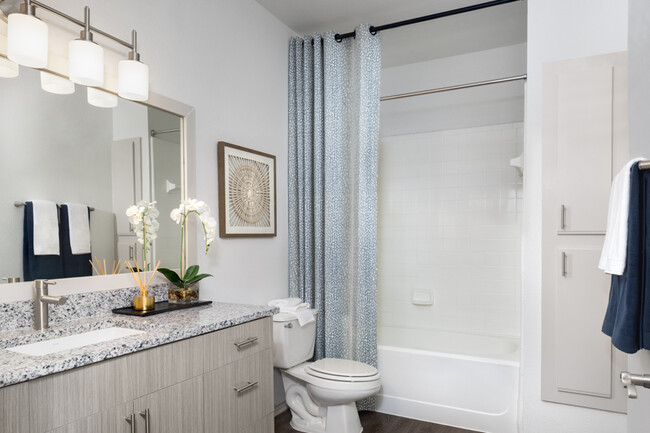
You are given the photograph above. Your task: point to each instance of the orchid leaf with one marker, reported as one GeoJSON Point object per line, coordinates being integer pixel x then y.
{"type": "Point", "coordinates": [170, 275]}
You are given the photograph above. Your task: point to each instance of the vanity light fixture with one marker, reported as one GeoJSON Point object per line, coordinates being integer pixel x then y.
{"type": "Point", "coordinates": [133, 75]}
{"type": "Point", "coordinates": [27, 37]}
{"type": "Point", "coordinates": [101, 99]}
{"type": "Point", "coordinates": [54, 84]}
{"type": "Point", "coordinates": [85, 57]}
{"type": "Point", "coordinates": [8, 69]}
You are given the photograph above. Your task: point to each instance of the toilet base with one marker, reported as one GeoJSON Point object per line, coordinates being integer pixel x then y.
{"type": "Point", "coordinates": [339, 419]}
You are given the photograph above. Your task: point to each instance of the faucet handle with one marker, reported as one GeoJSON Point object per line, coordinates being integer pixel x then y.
{"type": "Point", "coordinates": [43, 284]}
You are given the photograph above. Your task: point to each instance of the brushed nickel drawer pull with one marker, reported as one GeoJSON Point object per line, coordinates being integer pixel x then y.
{"type": "Point", "coordinates": [564, 272]}
{"type": "Point", "coordinates": [248, 385]}
{"type": "Point", "coordinates": [245, 342]}
{"type": "Point", "coordinates": [131, 420]}
{"type": "Point", "coordinates": [145, 414]}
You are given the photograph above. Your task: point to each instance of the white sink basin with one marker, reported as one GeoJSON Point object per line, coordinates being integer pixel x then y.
{"type": "Point", "coordinates": [73, 341]}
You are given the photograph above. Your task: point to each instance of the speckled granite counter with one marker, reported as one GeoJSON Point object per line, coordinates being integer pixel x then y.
{"type": "Point", "coordinates": [160, 329]}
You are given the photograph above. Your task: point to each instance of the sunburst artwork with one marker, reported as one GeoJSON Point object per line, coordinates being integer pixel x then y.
{"type": "Point", "coordinates": [246, 192]}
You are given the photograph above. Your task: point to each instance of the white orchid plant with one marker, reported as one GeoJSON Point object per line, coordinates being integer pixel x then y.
{"type": "Point", "coordinates": [143, 217]}
{"type": "Point", "coordinates": [190, 276]}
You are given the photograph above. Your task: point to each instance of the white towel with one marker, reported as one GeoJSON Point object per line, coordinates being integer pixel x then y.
{"type": "Point", "coordinates": [46, 228]}
{"type": "Point", "coordinates": [295, 307]}
{"type": "Point", "coordinates": [79, 227]}
{"type": "Point", "coordinates": [614, 255]}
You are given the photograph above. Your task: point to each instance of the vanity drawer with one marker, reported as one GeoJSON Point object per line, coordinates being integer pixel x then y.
{"type": "Point", "coordinates": [239, 396]}
{"type": "Point", "coordinates": [231, 344]}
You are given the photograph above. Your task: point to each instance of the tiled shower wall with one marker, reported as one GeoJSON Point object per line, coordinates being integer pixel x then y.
{"type": "Point", "coordinates": [450, 208]}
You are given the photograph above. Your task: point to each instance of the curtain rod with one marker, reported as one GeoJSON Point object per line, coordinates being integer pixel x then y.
{"type": "Point", "coordinates": [373, 29]}
{"type": "Point", "coordinates": [457, 87]}
{"type": "Point", "coordinates": [644, 165]}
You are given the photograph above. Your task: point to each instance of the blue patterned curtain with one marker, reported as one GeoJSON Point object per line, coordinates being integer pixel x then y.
{"type": "Point", "coordinates": [333, 158]}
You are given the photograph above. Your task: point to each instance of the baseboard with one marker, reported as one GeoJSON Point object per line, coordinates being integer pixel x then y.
{"type": "Point", "coordinates": [281, 408]}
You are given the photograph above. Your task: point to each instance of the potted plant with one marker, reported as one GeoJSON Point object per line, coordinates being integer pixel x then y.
{"type": "Point", "coordinates": [186, 282]}
{"type": "Point", "coordinates": [143, 218]}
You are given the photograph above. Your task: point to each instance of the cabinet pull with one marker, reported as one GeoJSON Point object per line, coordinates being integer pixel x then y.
{"type": "Point", "coordinates": [563, 264]}
{"type": "Point", "coordinates": [131, 250]}
{"type": "Point", "coordinates": [245, 342]}
{"type": "Point", "coordinates": [562, 217]}
{"type": "Point", "coordinates": [131, 420]}
{"type": "Point", "coordinates": [248, 385]}
{"type": "Point", "coordinates": [145, 415]}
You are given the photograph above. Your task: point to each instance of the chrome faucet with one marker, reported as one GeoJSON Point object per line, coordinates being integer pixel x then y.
{"type": "Point", "coordinates": [41, 301]}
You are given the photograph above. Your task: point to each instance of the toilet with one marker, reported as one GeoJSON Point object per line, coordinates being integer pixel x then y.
{"type": "Point", "coordinates": [321, 395]}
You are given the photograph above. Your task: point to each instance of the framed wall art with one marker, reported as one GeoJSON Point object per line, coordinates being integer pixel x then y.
{"type": "Point", "coordinates": [247, 203]}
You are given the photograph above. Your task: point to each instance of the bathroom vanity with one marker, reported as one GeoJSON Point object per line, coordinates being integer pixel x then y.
{"type": "Point", "coordinates": [199, 370]}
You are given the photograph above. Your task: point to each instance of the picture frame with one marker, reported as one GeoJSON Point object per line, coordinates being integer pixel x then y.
{"type": "Point", "coordinates": [247, 192]}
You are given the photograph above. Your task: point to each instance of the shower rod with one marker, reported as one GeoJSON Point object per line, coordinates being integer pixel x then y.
{"type": "Point", "coordinates": [153, 132]}
{"type": "Point", "coordinates": [373, 29]}
{"type": "Point", "coordinates": [457, 87]}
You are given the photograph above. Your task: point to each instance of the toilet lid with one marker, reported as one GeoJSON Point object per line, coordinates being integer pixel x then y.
{"type": "Point", "coordinates": [342, 370]}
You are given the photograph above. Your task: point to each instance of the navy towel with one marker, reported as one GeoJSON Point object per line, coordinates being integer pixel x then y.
{"type": "Point", "coordinates": [627, 319]}
{"type": "Point", "coordinates": [37, 267]}
{"type": "Point", "coordinates": [74, 265]}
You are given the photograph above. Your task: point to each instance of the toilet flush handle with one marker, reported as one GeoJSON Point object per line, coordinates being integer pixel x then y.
{"type": "Point", "coordinates": [288, 325]}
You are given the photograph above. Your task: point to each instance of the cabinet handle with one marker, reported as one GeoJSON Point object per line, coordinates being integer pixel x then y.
{"type": "Point", "coordinates": [564, 264]}
{"type": "Point", "coordinates": [562, 217]}
{"type": "Point", "coordinates": [131, 420]}
{"type": "Point", "coordinates": [131, 250]}
{"type": "Point", "coordinates": [248, 385]}
{"type": "Point", "coordinates": [145, 414]}
{"type": "Point", "coordinates": [245, 342]}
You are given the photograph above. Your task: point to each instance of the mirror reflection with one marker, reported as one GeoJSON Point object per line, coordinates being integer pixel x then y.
{"type": "Point", "coordinates": [61, 149]}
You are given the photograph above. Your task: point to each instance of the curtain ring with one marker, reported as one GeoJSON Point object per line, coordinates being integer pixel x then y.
{"type": "Point", "coordinates": [372, 30]}
{"type": "Point", "coordinates": [338, 38]}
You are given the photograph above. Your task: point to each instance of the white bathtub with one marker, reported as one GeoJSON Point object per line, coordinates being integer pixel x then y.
{"type": "Point", "coordinates": [461, 380]}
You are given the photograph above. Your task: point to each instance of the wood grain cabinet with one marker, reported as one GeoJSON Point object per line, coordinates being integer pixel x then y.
{"type": "Point", "coordinates": [584, 144]}
{"type": "Point", "coordinates": [217, 382]}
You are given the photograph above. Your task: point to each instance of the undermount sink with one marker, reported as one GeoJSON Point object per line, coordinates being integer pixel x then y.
{"type": "Point", "coordinates": [60, 344]}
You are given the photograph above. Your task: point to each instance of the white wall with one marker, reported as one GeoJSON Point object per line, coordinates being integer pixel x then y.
{"type": "Point", "coordinates": [227, 59]}
{"type": "Point", "coordinates": [557, 30]}
{"type": "Point", "coordinates": [450, 208]}
{"type": "Point", "coordinates": [639, 70]}
{"type": "Point", "coordinates": [479, 106]}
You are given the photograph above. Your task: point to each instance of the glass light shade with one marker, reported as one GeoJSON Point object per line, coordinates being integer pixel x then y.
{"type": "Point", "coordinates": [8, 69]}
{"type": "Point", "coordinates": [133, 80]}
{"type": "Point", "coordinates": [27, 40]}
{"type": "Point", "coordinates": [101, 99]}
{"type": "Point", "coordinates": [55, 84]}
{"type": "Point", "coordinates": [86, 63]}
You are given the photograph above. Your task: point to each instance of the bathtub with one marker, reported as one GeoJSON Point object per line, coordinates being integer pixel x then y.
{"type": "Point", "coordinates": [461, 380]}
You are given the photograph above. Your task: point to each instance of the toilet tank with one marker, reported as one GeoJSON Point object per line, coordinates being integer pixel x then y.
{"type": "Point", "coordinates": [292, 344]}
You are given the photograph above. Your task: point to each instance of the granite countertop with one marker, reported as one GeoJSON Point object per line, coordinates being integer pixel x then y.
{"type": "Point", "coordinates": [160, 329]}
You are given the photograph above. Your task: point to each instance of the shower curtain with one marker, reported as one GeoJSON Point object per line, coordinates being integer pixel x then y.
{"type": "Point", "coordinates": [333, 159]}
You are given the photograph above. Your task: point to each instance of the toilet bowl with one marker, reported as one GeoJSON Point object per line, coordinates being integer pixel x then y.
{"type": "Point", "coordinates": [321, 395]}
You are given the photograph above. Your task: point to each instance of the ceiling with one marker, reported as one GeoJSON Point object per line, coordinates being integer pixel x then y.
{"type": "Point", "coordinates": [459, 34]}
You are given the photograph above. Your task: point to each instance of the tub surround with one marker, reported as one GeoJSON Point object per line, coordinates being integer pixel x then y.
{"type": "Point", "coordinates": [160, 329]}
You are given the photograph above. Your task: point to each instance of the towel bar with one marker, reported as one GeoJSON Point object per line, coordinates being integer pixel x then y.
{"type": "Point", "coordinates": [22, 203]}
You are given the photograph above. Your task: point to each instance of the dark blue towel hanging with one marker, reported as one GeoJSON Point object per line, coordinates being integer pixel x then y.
{"type": "Point", "coordinates": [74, 265]}
{"type": "Point", "coordinates": [37, 267]}
{"type": "Point", "coordinates": [627, 319]}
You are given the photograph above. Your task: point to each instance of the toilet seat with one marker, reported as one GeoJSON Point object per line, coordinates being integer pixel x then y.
{"type": "Point", "coordinates": [342, 370]}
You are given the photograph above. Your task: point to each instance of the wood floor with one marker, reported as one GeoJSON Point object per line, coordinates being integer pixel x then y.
{"type": "Point", "coordinates": [375, 422]}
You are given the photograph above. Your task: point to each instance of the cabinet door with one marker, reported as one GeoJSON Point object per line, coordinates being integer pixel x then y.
{"type": "Point", "coordinates": [90, 424]}
{"type": "Point", "coordinates": [119, 419]}
{"type": "Point", "coordinates": [237, 342]}
{"type": "Point", "coordinates": [174, 409]}
{"type": "Point", "coordinates": [14, 408]}
{"type": "Point", "coordinates": [239, 395]}
{"type": "Point", "coordinates": [580, 364]}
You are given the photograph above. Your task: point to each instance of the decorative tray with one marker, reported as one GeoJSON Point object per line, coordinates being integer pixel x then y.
{"type": "Point", "coordinates": [159, 308]}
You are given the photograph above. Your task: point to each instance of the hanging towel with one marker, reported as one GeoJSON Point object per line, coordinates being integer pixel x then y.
{"type": "Point", "coordinates": [38, 266]}
{"type": "Point", "coordinates": [75, 228]}
{"type": "Point", "coordinates": [79, 227]}
{"type": "Point", "coordinates": [46, 228]}
{"type": "Point", "coordinates": [625, 319]}
{"type": "Point", "coordinates": [612, 258]}
{"type": "Point", "coordinates": [296, 308]}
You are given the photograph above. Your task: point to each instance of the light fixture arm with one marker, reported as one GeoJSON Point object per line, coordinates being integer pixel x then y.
{"type": "Point", "coordinates": [86, 34]}
{"type": "Point", "coordinates": [134, 55]}
{"type": "Point", "coordinates": [77, 22]}
{"type": "Point", "coordinates": [28, 8]}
